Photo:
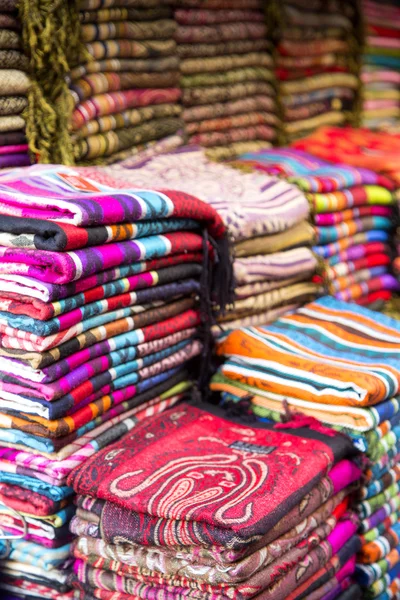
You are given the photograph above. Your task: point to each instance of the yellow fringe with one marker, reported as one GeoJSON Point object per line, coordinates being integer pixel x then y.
{"type": "Point", "coordinates": [52, 42]}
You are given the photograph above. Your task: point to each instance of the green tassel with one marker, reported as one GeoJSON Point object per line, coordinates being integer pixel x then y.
{"type": "Point", "coordinates": [52, 42]}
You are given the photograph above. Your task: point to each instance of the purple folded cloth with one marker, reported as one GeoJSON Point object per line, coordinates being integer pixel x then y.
{"type": "Point", "coordinates": [14, 160]}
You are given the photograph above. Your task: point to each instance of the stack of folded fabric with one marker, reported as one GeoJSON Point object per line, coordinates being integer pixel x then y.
{"type": "Point", "coordinates": [226, 75]}
{"type": "Point", "coordinates": [338, 363]}
{"type": "Point", "coordinates": [105, 300]}
{"type": "Point", "coordinates": [374, 150]}
{"type": "Point", "coordinates": [14, 86]}
{"type": "Point", "coordinates": [126, 91]}
{"type": "Point", "coordinates": [378, 151]}
{"type": "Point", "coordinates": [316, 63]}
{"type": "Point", "coordinates": [266, 218]}
{"type": "Point", "coordinates": [197, 504]}
{"type": "Point", "coordinates": [381, 65]}
{"type": "Point", "coordinates": [353, 211]}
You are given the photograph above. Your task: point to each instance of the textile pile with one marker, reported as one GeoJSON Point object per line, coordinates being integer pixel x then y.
{"type": "Point", "coordinates": [338, 363]}
{"type": "Point", "coordinates": [316, 62]}
{"type": "Point", "coordinates": [381, 66]}
{"type": "Point", "coordinates": [197, 504]}
{"type": "Point", "coordinates": [226, 75]}
{"type": "Point", "coordinates": [353, 212]}
{"type": "Point", "coordinates": [105, 300]}
{"type": "Point", "coordinates": [378, 151]}
{"type": "Point", "coordinates": [14, 86]}
{"type": "Point", "coordinates": [267, 220]}
{"type": "Point", "coordinates": [125, 92]}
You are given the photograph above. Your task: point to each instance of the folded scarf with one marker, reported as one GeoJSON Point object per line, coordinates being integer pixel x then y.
{"type": "Point", "coordinates": [137, 65]}
{"type": "Point", "coordinates": [193, 116]}
{"type": "Point", "coordinates": [47, 292]}
{"type": "Point", "coordinates": [351, 214]}
{"type": "Point", "coordinates": [173, 317]}
{"type": "Point", "coordinates": [206, 17]}
{"type": "Point", "coordinates": [126, 396]}
{"type": "Point", "coordinates": [239, 134]}
{"type": "Point", "coordinates": [214, 34]}
{"type": "Point", "coordinates": [274, 267]}
{"type": "Point", "coordinates": [100, 50]}
{"type": "Point", "coordinates": [145, 30]}
{"type": "Point", "coordinates": [100, 83]}
{"type": "Point", "coordinates": [119, 13]}
{"type": "Point", "coordinates": [235, 121]}
{"type": "Point", "coordinates": [61, 192]}
{"type": "Point", "coordinates": [377, 283]}
{"type": "Point", "coordinates": [317, 176]}
{"type": "Point", "coordinates": [97, 551]}
{"type": "Point", "coordinates": [29, 233]}
{"type": "Point", "coordinates": [12, 105]}
{"type": "Point", "coordinates": [363, 388]}
{"type": "Point", "coordinates": [65, 445]}
{"type": "Point", "coordinates": [218, 48]}
{"type": "Point", "coordinates": [11, 123]}
{"type": "Point", "coordinates": [115, 102]}
{"type": "Point", "coordinates": [262, 303]}
{"type": "Point", "coordinates": [223, 93]}
{"type": "Point", "coordinates": [329, 234]}
{"type": "Point", "coordinates": [359, 147]}
{"type": "Point", "coordinates": [112, 143]}
{"type": "Point", "coordinates": [129, 118]}
{"type": "Point", "coordinates": [64, 268]}
{"type": "Point", "coordinates": [298, 236]}
{"type": "Point", "coordinates": [67, 398]}
{"type": "Point", "coordinates": [56, 471]}
{"type": "Point", "coordinates": [234, 536]}
{"type": "Point", "coordinates": [18, 304]}
{"type": "Point", "coordinates": [218, 63]}
{"type": "Point", "coordinates": [250, 204]}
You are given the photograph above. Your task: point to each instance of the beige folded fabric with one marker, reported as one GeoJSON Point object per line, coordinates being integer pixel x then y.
{"type": "Point", "coordinates": [297, 293]}
{"type": "Point", "coordinates": [299, 235]}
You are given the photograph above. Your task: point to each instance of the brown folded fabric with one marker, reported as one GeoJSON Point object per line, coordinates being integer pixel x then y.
{"type": "Point", "coordinates": [105, 144]}
{"type": "Point", "coordinates": [129, 65]}
{"type": "Point", "coordinates": [207, 95]}
{"type": "Point", "coordinates": [9, 39]}
{"type": "Point", "coordinates": [234, 150]}
{"type": "Point", "coordinates": [299, 292]}
{"type": "Point", "coordinates": [161, 29]}
{"type": "Point", "coordinates": [226, 109]}
{"type": "Point", "coordinates": [299, 235]}
{"type": "Point", "coordinates": [13, 138]}
{"type": "Point", "coordinates": [226, 123]}
{"type": "Point", "coordinates": [9, 22]}
{"type": "Point", "coordinates": [235, 47]}
{"type": "Point", "coordinates": [8, 5]}
{"type": "Point", "coordinates": [233, 76]}
{"type": "Point", "coordinates": [127, 118]}
{"type": "Point", "coordinates": [105, 15]}
{"type": "Point", "coordinates": [13, 59]}
{"type": "Point", "coordinates": [191, 66]}
{"type": "Point", "coordinates": [12, 105]}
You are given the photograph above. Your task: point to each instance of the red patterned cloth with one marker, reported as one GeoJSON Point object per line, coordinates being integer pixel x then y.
{"type": "Point", "coordinates": [192, 476]}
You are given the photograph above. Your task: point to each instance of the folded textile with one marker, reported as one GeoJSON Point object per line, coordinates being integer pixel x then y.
{"type": "Point", "coordinates": [359, 147]}
{"type": "Point", "coordinates": [381, 68]}
{"type": "Point", "coordinates": [145, 324]}
{"type": "Point", "coordinates": [225, 62]}
{"type": "Point", "coordinates": [334, 336]}
{"type": "Point", "coordinates": [260, 211]}
{"type": "Point", "coordinates": [263, 203]}
{"type": "Point", "coordinates": [257, 570]}
{"type": "Point", "coordinates": [351, 208]}
{"type": "Point", "coordinates": [316, 63]}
